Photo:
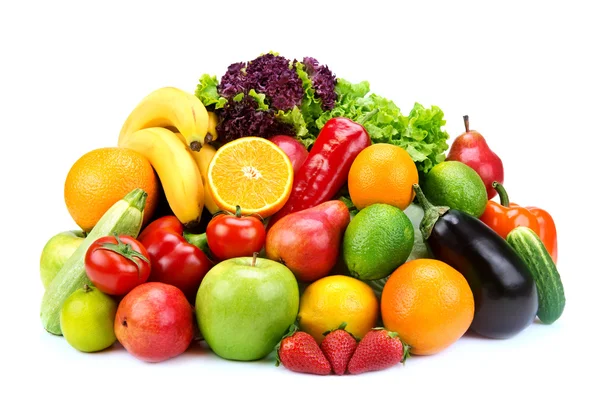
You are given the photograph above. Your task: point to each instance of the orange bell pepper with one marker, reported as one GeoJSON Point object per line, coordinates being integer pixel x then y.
{"type": "Point", "coordinates": [506, 216]}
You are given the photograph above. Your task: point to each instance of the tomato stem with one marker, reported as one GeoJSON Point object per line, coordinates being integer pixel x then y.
{"type": "Point", "coordinates": [126, 251]}
{"type": "Point", "coordinates": [466, 119]}
{"type": "Point", "coordinates": [502, 193]}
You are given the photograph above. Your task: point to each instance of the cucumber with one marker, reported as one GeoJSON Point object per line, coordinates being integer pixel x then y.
{"type": "Point", "coordinates": [123, 218]}
{"type": "Point", "coordinates": [551, 294]}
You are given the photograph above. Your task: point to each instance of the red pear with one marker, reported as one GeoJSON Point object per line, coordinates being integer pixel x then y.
{"type": "Point", "coordinates": [471, 148]}
{"type": "Point", "coordinates": [308, 241]}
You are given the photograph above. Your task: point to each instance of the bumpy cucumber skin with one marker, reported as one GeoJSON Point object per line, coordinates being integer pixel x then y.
{"type": "Point", "coordinates": [550, 289]}
{"type": "Point", "coordinates": [125, 217]}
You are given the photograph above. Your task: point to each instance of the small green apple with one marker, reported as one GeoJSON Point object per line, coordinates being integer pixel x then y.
{"type": "Point", "coordinates": [56, 252]}
{"type": "Point", "coordinates": [245, 305]}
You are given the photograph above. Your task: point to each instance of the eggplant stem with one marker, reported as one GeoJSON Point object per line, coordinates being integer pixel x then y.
{"type": "Point", "coordinates": [431, 213]}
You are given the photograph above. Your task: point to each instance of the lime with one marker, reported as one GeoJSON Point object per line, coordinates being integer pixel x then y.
{"type": "Point", "coordinates": [455, 185]}
{"type": "Point", "coordinates": [377, 241]}
{"type": "Point", "coordinates": [420, 249]}
{"type": "Point", "coordinates": [87, 320]}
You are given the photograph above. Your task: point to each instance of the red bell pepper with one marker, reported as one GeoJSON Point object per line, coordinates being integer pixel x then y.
{"type": "Point", "coordinates": [326, 168]}
{"type": "Point", "coordinates": [173, 259]}
{"type": "Point", "coordinates": [506, 216]}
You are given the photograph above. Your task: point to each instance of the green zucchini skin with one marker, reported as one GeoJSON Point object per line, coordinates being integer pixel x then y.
{"type": "Point", "coordinates": [551, 293]}
{"type": "Point", "coordinates": [125, 217]}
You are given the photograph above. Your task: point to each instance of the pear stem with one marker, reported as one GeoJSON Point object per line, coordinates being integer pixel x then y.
{"type": "Point", "coordinates": [466, 119]}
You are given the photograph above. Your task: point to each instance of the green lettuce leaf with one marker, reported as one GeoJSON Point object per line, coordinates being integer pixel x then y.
{"type": "Point", "coordinates": [207, 92]}
{"type": "Point", "coordinates": [259, 97]}
{"type": "Point", "coordinates": [295, 118]}
{"type": "Point", "coordinates": [310, 108]}
{"type": "Point", "coordinates": [420, 133]}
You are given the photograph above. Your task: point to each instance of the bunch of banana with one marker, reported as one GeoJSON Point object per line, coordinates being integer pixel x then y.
{"type": "Point", "coordinates": [169, 107]}
{"type": "Point", "coordinates": [172, 129]}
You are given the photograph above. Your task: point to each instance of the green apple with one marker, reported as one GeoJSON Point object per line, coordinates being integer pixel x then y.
{"type": "Point", "coordinates": [245, 305]}
{"type": "Point", "coordinates": [56, 252]}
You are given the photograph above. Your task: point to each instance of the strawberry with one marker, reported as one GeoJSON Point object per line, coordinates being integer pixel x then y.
{"type": "Point", "coordinates": [300, 352]}
{"type": "Point", "coordinates": [338, 347]}
{"type": "Point", "coordinates": [379, 349]}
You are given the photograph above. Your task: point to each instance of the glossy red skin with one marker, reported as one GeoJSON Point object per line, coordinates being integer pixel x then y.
{"type": "Point", "coordinates": [308, 241]}
{"type": "Point", "coordinates": [472, 149]}
{"type": "Point", "coordinates": [229, 236]}
{"type": "Point", "coordinates": [327, 166]}
{"type": "Point", "coordinates": [293, 148]}
{"type": "Point", "coordinates": [154, 322]}
{"type": "Point", "coordinates": [112, 273]}
{"type": "Point", "coordinates": [174, 261]}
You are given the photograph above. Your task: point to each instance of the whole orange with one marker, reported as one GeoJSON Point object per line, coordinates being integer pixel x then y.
{"type": "Point", "coordinates": [103, 176]}
{"type": "Point", "coordinates": [382, 173]}
{"type": "Point", "coordinates": [429, 304]}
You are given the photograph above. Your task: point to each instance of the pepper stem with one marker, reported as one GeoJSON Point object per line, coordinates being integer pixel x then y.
{"type": "Point", "coordinates": [502, 193]}
{"type": "Point", "coordinates": [238, 211]}
{"type": "Point", "coordinates": [431, 213]}
{"type": "Point", "coordinates": [466, 119]}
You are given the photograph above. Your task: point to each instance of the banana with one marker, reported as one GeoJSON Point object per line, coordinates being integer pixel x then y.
{"type": "Point", "coordinates": [176, 168]}
{"type": "Point", "coordinates": [171, 107]}
{"type": "Point", "coordinates": [203, 159]}
{"type": "Point", "coordinates": [213, 120]}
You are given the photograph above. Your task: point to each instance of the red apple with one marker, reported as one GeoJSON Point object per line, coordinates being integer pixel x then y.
{"type": "Point", "coordinates": [154, 322]}
{"type": "Point", "coordinates": [293, 148]}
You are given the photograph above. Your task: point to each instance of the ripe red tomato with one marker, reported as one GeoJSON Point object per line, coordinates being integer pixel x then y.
{"type": "Point", "coordinates": [117, 264]}
{"type": "Point", "coordinates": [233, 235]}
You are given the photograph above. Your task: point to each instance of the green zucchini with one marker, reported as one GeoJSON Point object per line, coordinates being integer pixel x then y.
{"type": "Point", "coordinates": [123, 218]}
{"type": "Point", "coordinates": [551, 294]}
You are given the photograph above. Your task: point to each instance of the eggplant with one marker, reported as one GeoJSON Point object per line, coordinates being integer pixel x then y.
{"type": "Point", "coordinates": [504, 290]}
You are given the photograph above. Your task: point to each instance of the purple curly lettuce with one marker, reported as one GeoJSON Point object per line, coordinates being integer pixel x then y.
{"type": "Point", "coordinates": [242, 118]}
{"type": "Point", "coordinates": [234, 81]}
{"type": "Point", "coordinates": [268, 74]}
{"type": "Point", "coordinates": [323, 81]}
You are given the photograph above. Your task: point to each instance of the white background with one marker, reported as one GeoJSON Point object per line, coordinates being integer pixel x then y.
{"type": "Point", "coordinates": [526, 73]}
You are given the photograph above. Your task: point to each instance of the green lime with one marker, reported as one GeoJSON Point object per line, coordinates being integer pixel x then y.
{"type": "Point", "coordinates": [377, 241]}
{"type": "Point", "coordinates": [455, 185]}
{"type": "Point", "coordinates": [420, 249]}
{"type": "Point", "coordinates": [87, 320]}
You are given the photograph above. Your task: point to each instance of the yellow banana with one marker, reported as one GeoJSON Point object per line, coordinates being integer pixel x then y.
{"type": "Point", "coordinates": [212, 124]}
{"type": "Point", "coordinates": [171, 107]}
{"type": "Point", "coordinates": [203, 159]}
{"type": "Point", "coordinates": [176, 168]}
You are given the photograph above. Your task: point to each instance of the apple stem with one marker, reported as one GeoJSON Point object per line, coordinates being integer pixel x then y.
{"type": "Point", "coordinates": [86, 288]}
{"type": "Point", "coordinates": [466, 119]}
{"type": "Point", "coordinates": [254, 258]}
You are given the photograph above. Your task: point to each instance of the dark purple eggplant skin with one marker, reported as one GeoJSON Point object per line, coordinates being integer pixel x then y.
{"type": "Point", "coordinates": [506, 300]}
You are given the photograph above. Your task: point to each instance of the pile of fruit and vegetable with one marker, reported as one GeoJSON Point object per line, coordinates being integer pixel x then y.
{"type": "Point", "coordinates": [282, 209]}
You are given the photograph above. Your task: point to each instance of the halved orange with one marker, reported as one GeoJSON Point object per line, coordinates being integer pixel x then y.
{"type": "Point", "coordinates": [253, 173]}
